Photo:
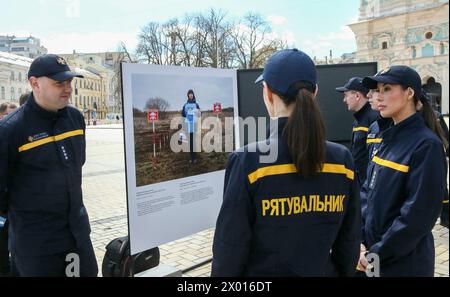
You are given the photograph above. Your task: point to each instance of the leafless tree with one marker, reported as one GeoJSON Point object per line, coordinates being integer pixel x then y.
{"type": "Point", "coordinates": [158, 103]}
{"type": "Point", "coordinates": [124, 56]}
{"type": "Point", "coordinates": [208, 40]}
{"type": "Point", "coordinates": [215, 30]}
{"type": "Point", "coordinates": [252, 42]}
{"type": "Point", "coordinates": [152, 46]}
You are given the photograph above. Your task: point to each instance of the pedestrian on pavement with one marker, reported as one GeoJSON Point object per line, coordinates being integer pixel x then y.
{"type": "Point", "coordinates": [6, 108]}
{"type": "Point", "coordinates": [405, 184]}
{"type": "Point", "coordinates": [355, 96]}
{"type": "Point", "coordinates": [298, 214]}
{"type": "Point", "coordinates": [191, 113]}
{"type": "Point", "coordinates": [42, 149]}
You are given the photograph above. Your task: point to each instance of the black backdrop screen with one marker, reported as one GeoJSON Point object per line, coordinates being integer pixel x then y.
{"type": "Point", "coordinates": [338, 119]}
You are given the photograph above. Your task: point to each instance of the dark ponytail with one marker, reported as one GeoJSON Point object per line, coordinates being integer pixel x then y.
{"type": "Point", "coordinates": [305, 131]}
{"type": "Point", "coordinates": [431, 119]}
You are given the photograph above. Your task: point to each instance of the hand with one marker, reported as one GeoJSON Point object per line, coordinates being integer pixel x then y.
{"type": "Point", "coordinates": [362, 264]}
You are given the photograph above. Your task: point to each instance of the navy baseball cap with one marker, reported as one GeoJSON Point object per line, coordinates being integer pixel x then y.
{"type": "Point", "coordinates": [400, 74]}
{"type": "Point", "coordinates": [51, 66]}
{"type": "Point", "coordinates": [287, 67]}
{"type": "Point", "coordinates": [354, 84]}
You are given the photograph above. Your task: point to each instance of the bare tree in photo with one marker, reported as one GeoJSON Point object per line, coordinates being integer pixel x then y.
{"type": "Point", "coordinates": [158, 103]}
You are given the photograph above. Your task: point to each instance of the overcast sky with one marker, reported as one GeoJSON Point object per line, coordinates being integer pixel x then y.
{"type": "Point", "coordinates": [315, 26]}
{"type": "Point", "coordinates": [174, 88]}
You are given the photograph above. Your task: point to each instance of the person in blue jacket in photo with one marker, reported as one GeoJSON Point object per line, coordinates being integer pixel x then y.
{"type": "Point", "coordinates": [190, 112]}
{"type": "Point", "coordinates": [405, 182]}
{"type": "Point", "coordinates": [298, 214]}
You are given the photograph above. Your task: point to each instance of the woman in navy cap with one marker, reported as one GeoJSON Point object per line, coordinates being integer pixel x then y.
{"type": "Point", "coordinates": [293, 210]}
{"type": "Point", "coordinates": [405, 179]}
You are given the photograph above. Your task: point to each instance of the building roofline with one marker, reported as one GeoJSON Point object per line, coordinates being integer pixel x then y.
{"type": "Point", "coordinates": [398, 14]}
{"type": "Point", "coordinates": [15, 59]}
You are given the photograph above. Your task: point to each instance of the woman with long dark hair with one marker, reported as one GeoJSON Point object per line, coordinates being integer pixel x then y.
{"type": "Point", "coordinates": [298, 214]}
{"type": "Point", "coordinates": [405, 182]}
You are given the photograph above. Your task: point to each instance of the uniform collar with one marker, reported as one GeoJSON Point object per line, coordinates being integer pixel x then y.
{"type": "Point", "coordinates": [360, 114]}
{"type": "Point", "coordinates": [43, 112]}
{"type": "Point", "coordinates": [407, 126]}
{"type": "Point", "coordinates": [277, 125]}
{"type": "Point", "coordinates": [384, 123]}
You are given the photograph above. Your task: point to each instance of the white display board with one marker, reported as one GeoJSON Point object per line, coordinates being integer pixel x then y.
{"type": "Point", "coordinates": [169, 195]}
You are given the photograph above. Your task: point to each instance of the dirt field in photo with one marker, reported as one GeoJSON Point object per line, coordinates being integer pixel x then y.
{"type": "Point", "coordinates": [168, 165]}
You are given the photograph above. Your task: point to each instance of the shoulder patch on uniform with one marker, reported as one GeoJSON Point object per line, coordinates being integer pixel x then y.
{"type": "Point", "coordinates": [37, 136]}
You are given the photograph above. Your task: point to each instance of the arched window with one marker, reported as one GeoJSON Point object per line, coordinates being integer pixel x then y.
{"type": "Point", "coordinates": [2, 93]}
{"type": "Point", "coordinates": [428, 50]}
{"type": "Point", "coordinates": [13, 94]}
{"type": "Point", "coordinates": [12, 76]}
{"type": "Point", "coordinates": [384, 45]}
{"type": "Point", "coordinates": [20, 76]}
{"type": "Point", "coordinates": [413, 52]}
{"type": "Point", "coordinates": [442, 49]}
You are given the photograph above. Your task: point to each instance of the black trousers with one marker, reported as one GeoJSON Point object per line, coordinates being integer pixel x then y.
{"type": "Point", "coordinates": [193, 154]}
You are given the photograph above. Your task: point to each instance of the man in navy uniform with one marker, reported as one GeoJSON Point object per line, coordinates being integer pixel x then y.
{"type": "Point", "coordinates": [42, 149]}
{"type": "Point", "coordinates": [355, 96]}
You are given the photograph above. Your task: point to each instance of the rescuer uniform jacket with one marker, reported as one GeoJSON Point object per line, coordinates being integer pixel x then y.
{"type": "Point", "coordinates": [403, 193]}
{"type": "Point", "coordinates": [363, 119]}
{"type": "Point", "coordinates": [375, 135]}
{"type": "Point", "coordinates": [41, 156]}
{"type": "Point", "coordinates": [274, 222]}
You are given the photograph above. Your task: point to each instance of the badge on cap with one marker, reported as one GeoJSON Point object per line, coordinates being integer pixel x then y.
{"type": "Point", "coordinates": [61, 61]}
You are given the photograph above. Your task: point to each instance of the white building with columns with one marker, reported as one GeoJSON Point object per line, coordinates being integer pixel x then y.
{"type": "Point", "coordinates": [408, 32]}
{"type": "Point", "coordinates": [13, 77]}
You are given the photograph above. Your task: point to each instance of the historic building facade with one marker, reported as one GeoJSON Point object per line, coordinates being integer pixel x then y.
{"type": "Point", "coordinates": [13, 77]}
{"type": "Point", "coordinates": [104, 65]}
{"type": "Point", "coordinates": [408, 32]}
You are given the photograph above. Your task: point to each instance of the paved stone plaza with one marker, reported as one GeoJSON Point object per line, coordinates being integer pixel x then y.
{"type": "Point", "coordinates": [105, 198]}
